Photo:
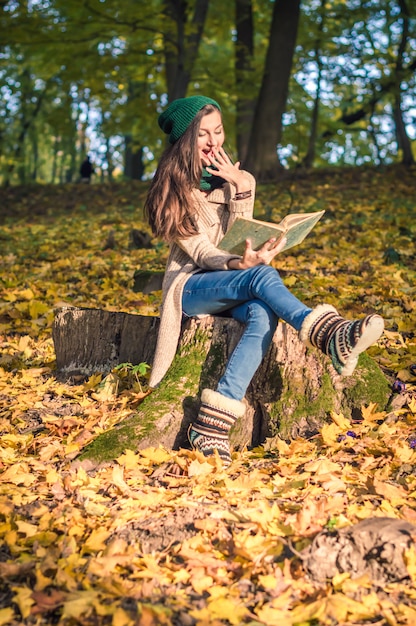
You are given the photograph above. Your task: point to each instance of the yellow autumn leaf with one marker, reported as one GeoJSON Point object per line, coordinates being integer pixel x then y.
{"type": "Point", "coordinates": [394, 336]}
{"type": "Point", "coordinates": [229, 609]}
{"type": "Point", "coordinates": [306, 612]}
{"type": "Point", "coordinates": [18, 474]}
{"type": "Point", "coordinates": [118, 478]}
{"type": "Point", "coordinates": [156, 455]}
{"type": "Point", "coordinates": [52, 476]}
{"type": "Point", "coordinates": [408, 614]}
{"type": "Point", "coordinates": [23, 598]}
{"type": "Point", "coordinates": [96, 541]}
{"type": "Point", "coordinates": [97, 509]}
{"type": "Point", "coordinates": [340, 420]}
{"type": "Point", "coordinates": [341, 607]}
{"type": "Point", "coordinates": [26, 294]}
{"type": "Point", "coordinates": [267, 581]}
{"type": "Point", "coordinates": [6, 616]}
{"type": "Point", "coordinates": [410, 562]}
{"type": "Point", "coordinates": [27, 529]}
{"type": "Point", "coordinates": [24, 345]}
{"type": "Point", "coordinates": [92, 382]}
{"type": "Point", "coordinates": [200, 581]}
{"type": "Point", "coordinates": [107, 389]}
{"type": "Point", "coordinates": [181, 577]}
{"type": "Point", "coordinates": [106, 565]}
{"type": "Point", "coordinates": [393, 493]}
{"type": "Point", "coordinates": [37, 308]}
{"type": "Point", "coordinates": [51, 451]}
{"type": "Point", "coordinates": [9, 297]}
{"type": "Point", "coordinates": [130, 460]}
{"type": "Point", "coordinates": [122, 618]}
{"type": "Point", "coordinates": [330, 434]}
{"type": "Point", "coordinates": [197, 468]}
{"type": "Point", "coordinates": [370, 414]}
{"type": "Point", "coordinates": [274, 617]}
{"type": "Point", "coordinates": [291, 280]}
{"type": "Point", "coordinates": [79, 604]}
{"type": "Point", "coordinates": [322, 466]}
{"type": "Point", "coordinates": [248, 545]}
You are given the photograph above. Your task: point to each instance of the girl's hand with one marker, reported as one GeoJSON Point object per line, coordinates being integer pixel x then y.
{"type": "Point", "coordinates": [228, 170]}
{"type": "Point", "coordinates": [262, 256]}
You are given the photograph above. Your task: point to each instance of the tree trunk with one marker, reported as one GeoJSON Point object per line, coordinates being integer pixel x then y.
{"type": "Point", "coordinates": [262, 159]}
{"type": "Point", "coordinates": [291, 393]}
{"type": "Point", "coordinates": [403, 142]}
{"type": "Point", "coordinates": [244, 75]}
{"type": "Point", "coordinates": [181, 43]}
{"type": "Point", "coordinates": [374, 547]}
{"type": "Point", "coordinates": [133, 159]}
{"type": "Point", "coordinates": [310, 153]}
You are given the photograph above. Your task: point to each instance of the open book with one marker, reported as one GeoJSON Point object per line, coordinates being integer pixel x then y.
{"type": "Point", "coordinates": [294, 227]}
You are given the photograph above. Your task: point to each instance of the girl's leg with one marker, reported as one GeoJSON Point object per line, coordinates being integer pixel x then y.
{"type": "Point", "coordinates": [260, 325]}
{"type": "Point", "coordinates": [211, 293]}
{"type": "Point", "coordinates": [342, 340]}
{"type": "Point", "coordinates": [221, 408]}
{"type": "Point", "coordinates": [216, 291]}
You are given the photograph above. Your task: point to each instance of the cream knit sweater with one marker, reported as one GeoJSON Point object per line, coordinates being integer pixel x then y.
{"type": "Point", "coordinates": [215, 214]}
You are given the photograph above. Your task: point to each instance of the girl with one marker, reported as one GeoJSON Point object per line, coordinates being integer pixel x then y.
{"type": "Point", "coordinates": [195, 196]}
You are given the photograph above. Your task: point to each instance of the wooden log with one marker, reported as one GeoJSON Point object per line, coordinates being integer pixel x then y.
{"type": "Point", "coordinates": [374, 547]}
{"type": "Point", "coordinates": [291, 394]}
{"type": "Point", "coordinates": [92, 340]}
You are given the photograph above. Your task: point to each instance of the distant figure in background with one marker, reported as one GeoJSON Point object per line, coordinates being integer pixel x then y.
{"type": "Point", "coordinates": [86, 170]}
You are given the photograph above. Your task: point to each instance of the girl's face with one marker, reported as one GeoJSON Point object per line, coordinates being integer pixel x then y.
{"type": "Point", "coordinates": [210, 136]}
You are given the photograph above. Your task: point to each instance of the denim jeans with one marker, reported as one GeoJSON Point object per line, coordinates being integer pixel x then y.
{"type": "Point", "coordinates": [256, 297]}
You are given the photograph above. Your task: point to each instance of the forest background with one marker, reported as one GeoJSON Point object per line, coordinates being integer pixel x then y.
{"type": "Point", "coordinates": [337, 78]}
{"type": "Point", "coordinates": [125, 544]}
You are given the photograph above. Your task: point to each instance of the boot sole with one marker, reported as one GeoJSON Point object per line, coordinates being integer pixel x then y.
{"type": "Point", "coordinates": [371, 334]}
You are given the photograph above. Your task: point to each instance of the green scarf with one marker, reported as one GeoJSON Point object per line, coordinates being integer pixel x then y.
{"type": "Point", "coordinates": [209, 181]}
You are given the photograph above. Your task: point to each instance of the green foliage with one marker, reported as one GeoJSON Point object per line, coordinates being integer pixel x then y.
{"type": "Point", "coordinates": [84, 76]}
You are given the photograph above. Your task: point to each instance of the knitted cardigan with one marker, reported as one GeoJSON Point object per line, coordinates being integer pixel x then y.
{"type": "Point", "coordinates": [215, 214]}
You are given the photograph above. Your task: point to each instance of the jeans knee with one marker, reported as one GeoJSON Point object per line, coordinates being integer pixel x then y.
{"type": "Point", "coordinates": [264, 276]}
{"type": "Point", "coordinates": [262, 316]}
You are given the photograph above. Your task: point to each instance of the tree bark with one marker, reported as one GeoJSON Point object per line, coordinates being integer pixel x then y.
{"type": "Point", "coordinates": [374, 547]}
{"type": "Point", "coordinates": [291, 393]}
{"type": "Point", "coordinates": [403, 142]}
{"type": "Point", "coordinates": [262, 158]}
{"type": "Point", "coordinates": [181, 43]}
{"type": "Point", "coordinates": [244, 75]}
{"type": "Point", "coordinates": [310, 153]}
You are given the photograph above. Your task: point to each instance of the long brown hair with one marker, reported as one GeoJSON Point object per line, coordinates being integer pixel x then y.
{"type": "Point", "coordinates": [169, 207]}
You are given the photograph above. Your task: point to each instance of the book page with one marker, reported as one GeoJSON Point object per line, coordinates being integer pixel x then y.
{"type": "Point", "coordinates": [299, 228]}
{"type": "Point", "coordinates": [259, 232]}
{"type": "Point", "coordinates": [294, 226]}
{"type": "Point", "coordinates": [296, 218]}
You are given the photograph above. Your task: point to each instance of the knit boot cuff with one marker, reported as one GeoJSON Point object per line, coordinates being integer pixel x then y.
{"type": "Point", "coordinates": [311, 319]}
{"type": "Point", "coordinates": [217, 401]}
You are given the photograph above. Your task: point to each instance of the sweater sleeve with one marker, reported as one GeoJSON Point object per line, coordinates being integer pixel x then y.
{"type": "Point", "coordinates": [205, 254]}
{"type": "Point", "coordinates": [202, 248]}
{"type": "Point", "coordinates": [243, 208]}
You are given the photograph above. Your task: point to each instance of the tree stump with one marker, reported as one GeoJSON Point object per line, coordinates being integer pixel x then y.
{"type": "Point", "coordinates": [374, 546]}
{"type": "Point", "coordinates": [291, 394]}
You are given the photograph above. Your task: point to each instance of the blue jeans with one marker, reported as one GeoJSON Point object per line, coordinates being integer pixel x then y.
{"type": "Point", "coordinates": [256, 297]}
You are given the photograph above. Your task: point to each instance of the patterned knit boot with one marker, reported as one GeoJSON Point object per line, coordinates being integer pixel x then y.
{"type": "Point", "coordinates": [210, 430]}
{"type": "Point", "coordinates": [340, 339]}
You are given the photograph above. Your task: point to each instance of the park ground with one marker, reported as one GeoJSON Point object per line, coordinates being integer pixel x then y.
{"type": "Point", "coordinates": [126, 544]}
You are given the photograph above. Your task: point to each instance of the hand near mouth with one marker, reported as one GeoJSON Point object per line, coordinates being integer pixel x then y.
{"type": "Point", "coordinates": [221, 165]}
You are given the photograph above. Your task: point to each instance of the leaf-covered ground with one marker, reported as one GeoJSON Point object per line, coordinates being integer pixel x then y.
{"type": "Point", "coordinates": [129, 545]}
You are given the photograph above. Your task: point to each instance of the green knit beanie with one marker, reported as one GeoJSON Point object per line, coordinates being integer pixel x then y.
{"type": "Point", "coordinates": [176, 118]}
